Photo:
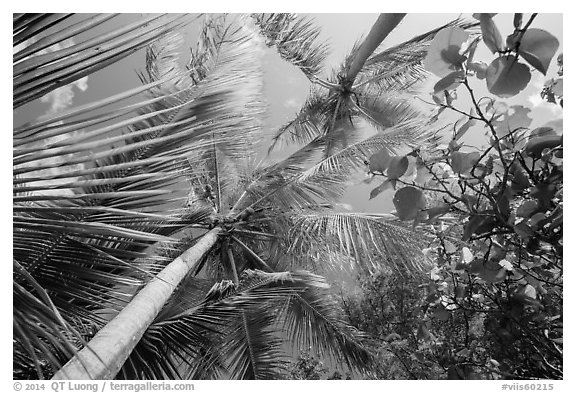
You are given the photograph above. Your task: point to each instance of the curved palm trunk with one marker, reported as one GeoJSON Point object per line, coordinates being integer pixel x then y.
{"type": "Point", "coordinates": [380, 30]}
{"type": "Point", "coordinates": [106, 353]}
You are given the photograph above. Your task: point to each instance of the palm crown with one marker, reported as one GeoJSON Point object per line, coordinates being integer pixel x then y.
{"type": "Point", "coordinates": [143, 215]}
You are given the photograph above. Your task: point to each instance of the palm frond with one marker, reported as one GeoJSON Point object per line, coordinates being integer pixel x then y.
{"type": "Point", "coordinates": [314, 319]}
{"type": "Point", "coordinates": [309, 123]}
{"type": "Point", "coordinates": [296, 39]}
{"type": "Point", "coordinates": [383, 111]}
{"type": "Point", "coordinates": [400, 67]}
{"type": "Point", "coordinates": [35, 73]}
{"type": "Point", "coordinates": [368, 240]}
{"type": "Point", "coordinates": [353, 157]}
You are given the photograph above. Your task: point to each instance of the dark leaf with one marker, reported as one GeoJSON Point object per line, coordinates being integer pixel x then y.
{"type": "Point", "coordinates": [441, 313]}
{"type": "Point", "coordinates": [464, 128]}
{"type": "Point", "coordinates": [518, 20]}
{"type": "Point", "coordinates": [538, 47]}
{"type": "Point", "coordinates": [408, 202]}
{"type": "Point", "coordinates": [479, 68]}
{"type": "Point", "coordinates": [492, 272]}
{"type": "Point", "coordinates": [474, 222]}
{"type": "Point", "coordinates": [449, 82]}
{"type": "Point", "coordinates": [379, 161]}
{"type": "Point", "coordinates": [536, 145]}
{"type": "Point", "coordinates": [505, 77]}
{"type": "Point", "coordinates": [462, 163]}
{"type": "Point", "coordinates": [382, 187]}
{"type": "Point", "coordinates": [397, 166]}
{"type": "Point", "coordinates": [490, 33]}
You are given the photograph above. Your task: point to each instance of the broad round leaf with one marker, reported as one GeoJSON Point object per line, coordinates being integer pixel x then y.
{"type": "Point", "coordinates": [397, 167]}
{"type": "Point", "coordinates": [514, 119]}
{"type": "Point", "coordinates": [462, 162]}
{"type": "Point", "coordinates": [490, 33]}
{"type": "Point", "coordinates": [541, 131]}
{"type": "Point", "coordinates": [379, 161]}
{"type": "Point", "coordinates": [408, 202]}
{"type": "Point", "coordinates": [536, 145]}
{"type": "Point", "coordinates": [479, 68]}
{"type": "Point", "coordinates": [538, 47]}
{"type": "Point", "coordinates": [493, 272]}
{"type": "Point", "coordinates": [505, 77]}
{"type": "Point", "coordinates": [526, 209]}
{"type": "Point", "coordinates": [464, 128]}
{"type": "Point", "coordinates": [449, 82]}
{"type": "Point", "coordinates": [443, 53]}
{"type": "Point", "coordinates": [382, 187]}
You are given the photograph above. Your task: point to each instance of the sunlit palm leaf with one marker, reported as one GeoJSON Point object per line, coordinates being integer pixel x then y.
{"type": "Point", "coordinates": [400, 67]}
{"type": "Point", "coordinates": [367, 238]}
{"type": "Point", "coordinates": [296, 39]}
{"type": "Point", "coordinates": [35, 74]}
{"type": "Point", "coordinates": [353, 157]}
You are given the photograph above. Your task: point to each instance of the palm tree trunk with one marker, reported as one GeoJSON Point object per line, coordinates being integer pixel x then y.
{"type": "Point", "coordinates": [380, 30]}
{"type": "Point", "coordinates": [106, 353]}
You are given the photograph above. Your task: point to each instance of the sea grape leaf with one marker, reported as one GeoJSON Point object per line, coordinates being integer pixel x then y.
{"type": "Point", "coordinates": [382, 187]}
{"type": "Point", "coordinates": [443, 55]}
{"type": "Point", "coordinates": [558, 87]}
{"type": "Point", "coordinates": [536, 145]}
{"type": "Point", "coordinates": [423, 333]}
{"type": "Point", "coordinates": [518, 119]}
{"type": "Point", "coordinates": [408, 202]}
{"type": "Point", "coordinates": [462, 162]}
{"type": "Point", "coordinates": [379, 161]}
{"type": "Point", "coordinates": [479, 67]}
{"type": "Point", "coordinates": [474, 222]}
{"type": "Point", "coordinates": [493, 272]}
{"type": "Point", "coordinates": [518, 20]}
{"type": "Point", "coordinates": [471, 50]}
{"type": "Point", "coordinates": [527, 208]}
{"type": "Point", "coordinates": [441, 313]}
{"type": "Point", "coordinates": [460, 291]}
{"type": "Point", "coordinates": [397, 166]}
{"type": "Point", "coordinates": [538, 47]}
{"type": "Point", "coordinates": [490, 33]}
{"type": "Point", "coordinates": [520, 180]}
{"type": "Point", "coordinates": [505, 77]}
{"type": "Point", "coordinates": [437, 211]}
{"type": "Point", "coordinates": [449, 82]}
{"type": "Point", "coordinates": [541, 131]}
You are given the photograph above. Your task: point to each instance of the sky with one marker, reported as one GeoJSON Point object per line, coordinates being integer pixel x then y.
{"type": "Point", "coordinates": [286, 88]}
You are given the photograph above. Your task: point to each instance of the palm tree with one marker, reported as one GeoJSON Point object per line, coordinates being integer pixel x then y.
{"type": "Point", "coordinates": [101, 194]}
{"type": "Point", "coordinates": [373, 85]}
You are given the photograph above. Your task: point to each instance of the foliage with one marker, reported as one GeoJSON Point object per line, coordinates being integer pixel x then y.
{"type": "Point", "coordinates": [309, 367]}
{"type": "Point", "coordinates": [496, 213]}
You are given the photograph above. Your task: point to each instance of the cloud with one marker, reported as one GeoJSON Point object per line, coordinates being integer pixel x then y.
{"type": "Point", "coordinates": [62, 97]}
{"type": "Point", "coordinates": [536, 101]}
